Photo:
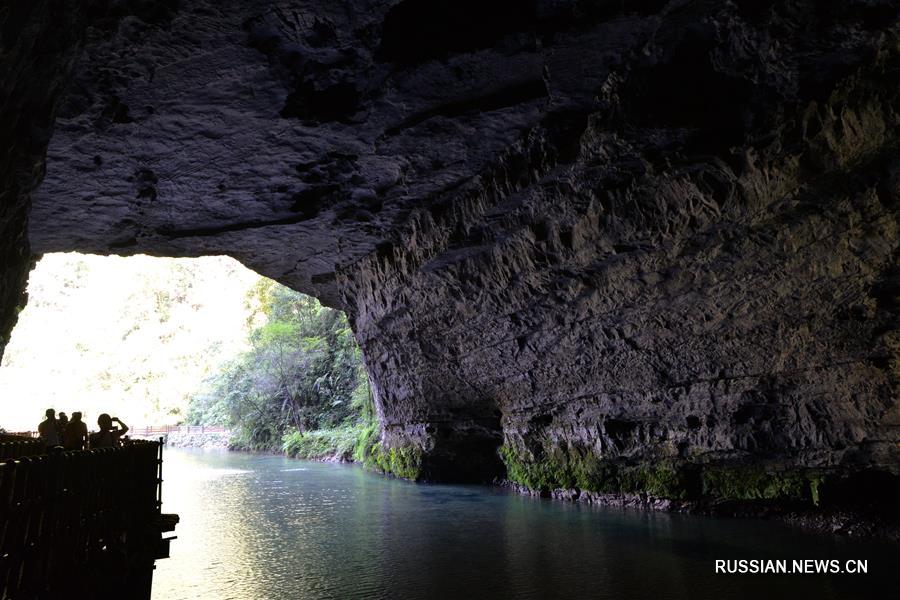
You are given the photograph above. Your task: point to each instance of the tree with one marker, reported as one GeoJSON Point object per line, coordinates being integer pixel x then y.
{"type": "Point", "coordinates": [302, 373]}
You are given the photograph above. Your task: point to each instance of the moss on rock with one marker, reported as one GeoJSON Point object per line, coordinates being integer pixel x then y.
{"type": "Point", "coordinates": [404, 462]}
{"type": "Point", "coordinates": [755, 483]}
{"type": "Point", "coordinates": [576, 468]}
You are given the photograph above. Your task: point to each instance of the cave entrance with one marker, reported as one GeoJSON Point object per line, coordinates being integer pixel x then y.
{"type": "Point", "coordinates": [162, 342]}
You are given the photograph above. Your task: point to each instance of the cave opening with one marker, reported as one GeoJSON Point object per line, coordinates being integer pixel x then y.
{"type": "Point", "coordinates": [639, 254]}
{"type": "Point", "coordinates": [106, 332]}
{"type": "Point", "coordinates": [179, 342]}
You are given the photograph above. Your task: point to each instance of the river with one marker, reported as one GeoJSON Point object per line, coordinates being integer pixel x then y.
{"type": "Point", "coordinates": [256, 526]}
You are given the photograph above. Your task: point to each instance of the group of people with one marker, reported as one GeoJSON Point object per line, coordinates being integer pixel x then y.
{"type": "Point", "coordinates": [73, 434]}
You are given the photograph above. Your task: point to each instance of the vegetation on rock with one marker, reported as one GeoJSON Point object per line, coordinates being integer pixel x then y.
{"type": "Point", "coordinates": [575, 468]}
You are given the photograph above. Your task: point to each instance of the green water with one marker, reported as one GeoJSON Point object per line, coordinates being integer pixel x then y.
{"type": "Point", "coordinates": [267, 527]}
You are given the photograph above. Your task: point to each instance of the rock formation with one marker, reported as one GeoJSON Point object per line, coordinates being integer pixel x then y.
{"type": "Point", "coordinates": [622, 246]}
{"type": "Point", "coordinates": [39, 41]}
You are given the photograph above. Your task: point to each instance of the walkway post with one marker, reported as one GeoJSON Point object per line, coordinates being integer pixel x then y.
{"type": "Point", "coordinates": [159, 479]}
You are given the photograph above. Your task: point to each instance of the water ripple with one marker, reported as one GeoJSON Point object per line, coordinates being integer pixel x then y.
{"type": "Point", "coordinates": [249, 532]}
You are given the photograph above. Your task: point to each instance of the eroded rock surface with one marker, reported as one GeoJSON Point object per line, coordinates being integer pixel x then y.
{"type": "Point", "coordinates": [645, 247]}
{"type": "Point", "coordinates": [39, 41]}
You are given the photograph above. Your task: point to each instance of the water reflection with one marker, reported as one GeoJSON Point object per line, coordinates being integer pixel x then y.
{"type": "Point", "coordinates": [212, 556]}
{"type": "Point", "coordinates": [257, 526]}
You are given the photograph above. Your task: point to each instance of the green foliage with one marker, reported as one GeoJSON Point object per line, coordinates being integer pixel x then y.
{"type": "Point", "coordinates": [366, 440]}
{"type": "Point", "coordinates": [322, 443]}
{"type": "Point", "coordinates": [301, 387]}
{"type": "Point", "coordinates": [148, 331]}
{"type": "Point", "coordinates": [359, 441]}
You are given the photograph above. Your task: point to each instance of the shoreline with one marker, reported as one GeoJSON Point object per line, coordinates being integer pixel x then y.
{"type": "Point", "coordinates": [838, 522]}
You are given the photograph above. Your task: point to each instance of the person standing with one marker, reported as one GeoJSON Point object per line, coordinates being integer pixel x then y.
{"type": "Point", "coordinates": [108, 436]}
{"type": "Point", "coordinates": [48, 430]}
{"type": "Point", "coordinates": [61, 422]}
{"type": "Point", "coordinates": [75, 436]}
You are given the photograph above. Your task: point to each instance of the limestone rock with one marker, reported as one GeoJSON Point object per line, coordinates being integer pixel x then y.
{"type": "Point", "coordinates": [594, 232]}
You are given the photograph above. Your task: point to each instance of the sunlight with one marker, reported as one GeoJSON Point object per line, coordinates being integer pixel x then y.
{"type": "Point", "coordinates": [131, 336]}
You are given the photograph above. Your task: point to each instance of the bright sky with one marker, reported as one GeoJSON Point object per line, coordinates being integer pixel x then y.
{"type": "Point", "coordinates": [133, 336]}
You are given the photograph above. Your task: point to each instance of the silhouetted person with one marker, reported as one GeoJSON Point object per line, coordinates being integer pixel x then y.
{"type": "Point", "coordinates": [61, 421]}
{"type": "Point", "coordinates": [75, 436]}
{"type": "Point", "coordinates": [108, 436]}
{"type": "Point", "coordinates": [48, 430]}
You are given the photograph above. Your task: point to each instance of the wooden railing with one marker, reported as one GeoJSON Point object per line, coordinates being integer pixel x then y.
{"type": "Point", "coordinates": [166, 429]}
{"type": "Point", "coordinates": [15, 446]}
{"type": "Point", "coordinates": [143, 431]}
{"type": "Point", "coordinates": [20, 434]}
{"type": "Point", "coordinates": [83, 524]}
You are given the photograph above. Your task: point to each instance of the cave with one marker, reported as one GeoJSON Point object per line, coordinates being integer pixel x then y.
{"type": "Point", "coordinates": [573, 238]}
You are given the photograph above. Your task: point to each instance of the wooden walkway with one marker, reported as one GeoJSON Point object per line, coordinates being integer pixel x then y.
{"type": "Point", "coordinates": [81, 524]}
{"type": "Point", "coordinates": [151, 430]}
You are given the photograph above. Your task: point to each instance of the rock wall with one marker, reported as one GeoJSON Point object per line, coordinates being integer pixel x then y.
{"type": "Point", "coordinates": [687, 286]}
{"type": "Point", "coordinates": [38, 43]}
{"type": "Point", "coordinates": [620, 247]}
